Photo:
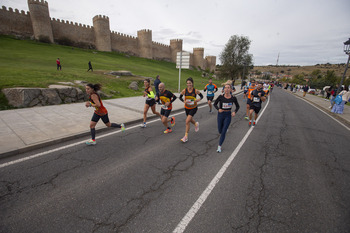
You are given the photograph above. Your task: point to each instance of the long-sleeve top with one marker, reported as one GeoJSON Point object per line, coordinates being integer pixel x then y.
{"type": "Point", "coordinates": [226, 104]}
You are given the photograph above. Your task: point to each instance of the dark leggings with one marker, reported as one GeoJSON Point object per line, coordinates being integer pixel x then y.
{"type": "Point", "coordinates": [224, 120]}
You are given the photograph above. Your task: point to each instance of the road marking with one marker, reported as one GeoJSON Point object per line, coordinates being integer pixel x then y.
{"type": "Point", "coordinates": [79, 143]}
{"type": "Point", "coordinates": [181, 227]}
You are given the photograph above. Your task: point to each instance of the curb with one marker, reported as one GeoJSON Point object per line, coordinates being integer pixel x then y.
{"type": "Point", "coordinates": [75, 136]}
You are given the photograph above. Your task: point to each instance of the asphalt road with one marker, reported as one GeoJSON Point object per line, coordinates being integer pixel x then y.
{"type": "Point", "coordinates": [292, 174]}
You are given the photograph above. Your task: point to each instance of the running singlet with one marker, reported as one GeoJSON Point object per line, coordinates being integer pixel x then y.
{"type": "Point", "coordinates": [101, 111]}
{"type": "Point", "coordinates": [165, 97]}
{"type": "Point", "coordinates": [226, 104]}
{"type": "Point", "coordinates": [210, 88]}
{"type": "Point", "coordinates": [251, 88]}
{"type": "Point", "coordinates": [190, 99]}
{"type": "Point", "coordinates": [150, 95]}
{"type": "Point", "coordinates": [256, 100]}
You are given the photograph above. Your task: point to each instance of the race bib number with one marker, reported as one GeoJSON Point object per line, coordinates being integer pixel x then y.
{"type": "Point", "coordinates": [256, 99]}
{"type": "Point", "coordinates": [210, 92]}
{"type": "Point", "coordinates": [226, 105]}
{"type": "Point", "coordinates": [164, 107]}
{"type": "Point", "coordinates": [190, 102]}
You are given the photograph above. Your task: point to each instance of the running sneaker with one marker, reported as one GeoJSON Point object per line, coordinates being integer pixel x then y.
{"type": "Point", "coordinates": [253, 123]}
{"type": "Point", "coordinates": [91, 142]}
{"type": "Point", "coordinates": [143, 125]}
{"type": "Point", "coordinates": [250, 123]}
{"type": "Point", "coordinates": [219, 149]}
{"type": "Point", "coordinates": [172, 121]}
{"type": "Point", "coordinates": [196, 126]}
{"type": "Point", "coordinates": [184, 139]}
{"type": "Point", "coordinates": [168, 131]}
{"type": "Point", "coordinates": [246, 117]}
{"type": "Point", "coordinates": [122, 127]}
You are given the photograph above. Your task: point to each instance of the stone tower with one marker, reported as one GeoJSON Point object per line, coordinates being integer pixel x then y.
{"type": "Point", "coordinates": [40, 17]}
{"type": "Point", "coordinates": [211, 62]}
{"type": "Point", "coordinates": [145, 43]}
{"type": "Point", "coordinates": [175, 46]}
{"type": "Point", "coordinates": [102, 33]}
{"type": "Point", "coordinates": [198, 59]}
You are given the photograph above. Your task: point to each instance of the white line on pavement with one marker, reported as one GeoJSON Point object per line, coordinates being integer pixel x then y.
{"type": "Point", "coordinates": [181, 227]}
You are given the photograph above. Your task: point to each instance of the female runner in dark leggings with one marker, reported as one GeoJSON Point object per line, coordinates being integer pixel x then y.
{"type": "Point", "coordinates": [225, 102]}
{"type": "Point", "coordinates": [100, 111]}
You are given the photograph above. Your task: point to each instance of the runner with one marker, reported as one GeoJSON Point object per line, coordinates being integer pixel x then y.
{"type": "Point", "coordinates": [225, 102]}
{"type": "Point", "coordinates": [166, 98]}
{"type": "Point", "coordinates": [245, 90]}
{"type": "Point", "coordinates": [257, 97]}
{"type": "Point", "coordinates": [266, 88]}
{"type": "Point", "coordinates": [150, 101]}
{"type": "Point", "coordinates": [100, 111]}
{"type": "Point", "coordinates": [251, 88]}
{"type": "Point", "coordinates": [190, 101]}
{"type": "Point", "coordinates": [212, 88]}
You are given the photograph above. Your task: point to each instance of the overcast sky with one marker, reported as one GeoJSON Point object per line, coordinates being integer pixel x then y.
{"type": "Point", "coordinates": [304, 32]}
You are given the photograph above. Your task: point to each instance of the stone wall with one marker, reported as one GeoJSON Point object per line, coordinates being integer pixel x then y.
{"type": "Point", "coordinates": [15, 23]}
{"type": "Point", "coordinates": [29, 97]}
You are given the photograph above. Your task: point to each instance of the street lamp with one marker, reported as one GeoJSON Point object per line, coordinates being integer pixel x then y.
{"type": "Point", "coordinates": [347, 51]}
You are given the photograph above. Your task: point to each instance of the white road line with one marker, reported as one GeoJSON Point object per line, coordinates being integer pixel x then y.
{"type": "Point", "coordinates": [78, 143]}
{"type": "Point", "coordinates": [181, 227]}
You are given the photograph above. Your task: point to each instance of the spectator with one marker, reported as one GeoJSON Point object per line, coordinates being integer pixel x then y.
{"type": "Point", "coordinates": [305, 89]}
{"type": "Point", "coordinates": [90, 67]}
{"type": "Point", "coordinates": [339, 108]}
{"type": "Point", "coordinates": [156, 86]}
{"type": "Point", "coordinates": [58, 62]}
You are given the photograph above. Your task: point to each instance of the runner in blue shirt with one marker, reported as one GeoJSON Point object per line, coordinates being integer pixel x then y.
{"type": "Point", "coordinates": [211, 88]}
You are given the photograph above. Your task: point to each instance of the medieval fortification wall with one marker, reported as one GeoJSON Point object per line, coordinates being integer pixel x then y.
{"type": "Point", "coordinates": [37, 24]}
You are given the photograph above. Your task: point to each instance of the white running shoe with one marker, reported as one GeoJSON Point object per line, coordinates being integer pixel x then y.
{"type": "Point", "coordinates": [196, 127]}
{"type": "Point", "coordinates": [143, 125]}
{"type": "Point", "coordinates": [91, 142]}
{"type": "Point", "coordinates": [219, 149]}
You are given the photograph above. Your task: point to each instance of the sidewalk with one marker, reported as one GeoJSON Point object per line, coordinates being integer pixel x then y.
{"type": "Point", "coordinates": [25, 129]}
{"type": "Point", "coordinates": [324, 105]}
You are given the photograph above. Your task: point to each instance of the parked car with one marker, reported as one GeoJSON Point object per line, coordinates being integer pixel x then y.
{"type": "Point", "coordinates": [312, 91]}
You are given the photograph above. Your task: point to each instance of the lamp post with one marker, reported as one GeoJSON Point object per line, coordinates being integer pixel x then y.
{"type": "Point", "coordinates": [347, 51]}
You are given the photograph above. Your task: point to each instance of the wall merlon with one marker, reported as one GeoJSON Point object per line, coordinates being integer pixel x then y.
{"type": "Point", "coordinates": [198, 49]}
{"type": "Point", "coordinates": [176, 40]}
{"type": "Point", "coordinates": [39, 2]}
{"type": "Point", "coordinates": [100, 17]}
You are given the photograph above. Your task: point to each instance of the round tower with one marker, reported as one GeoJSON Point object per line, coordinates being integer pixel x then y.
{"type": "Point", "coordinates": [102, 33]}
{"type": "Point", "coordinates": [40, 17]}
{"type": "Point", "coordinates": [211, 62]}
{"type": "Point", "coordinates": [175, 46]}
{"type": "Point", "coordinates": [198, 60]}
{"type": "Point", "coordinates": [145, 43]}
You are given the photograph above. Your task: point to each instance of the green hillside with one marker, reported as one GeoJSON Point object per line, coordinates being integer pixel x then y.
{"type": "Point", "coordinates": [27, 63]}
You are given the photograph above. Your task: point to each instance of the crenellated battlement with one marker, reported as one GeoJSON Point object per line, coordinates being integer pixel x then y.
{"type": "Point", "coordinates": [124, 35]}
{"type": "Point", "coordinates": [176, 40]}
{"type": "Point", "coordinates": [38, 2]}
{"type": "Point", "coordinates": [160, 44]}
{"type": "Point", "coordinates": [66, 22]}
{"type": "Point", "coordinates": [16, 11]}
{"type": "Point", "coordinates": [198, 49]}
{"type": "Point", "coordinates": [145, 31]}
{"type": "Point", "coordinates": [100, 17]}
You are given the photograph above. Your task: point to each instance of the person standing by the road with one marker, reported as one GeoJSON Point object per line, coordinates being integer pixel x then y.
{"type": "Point", "coordinates": [339, 108]}
{"type": "Point", "coordinates": [191, 108]}
{"type": "Point", "coordinates": [90, 67]}
{"type": "Point", "coordinates": [99, 113]}
{"type": "Point", "coordinates": [225, 102]}
{"type": "Point", "coordinates": [251, 88]}
{"type": "Point", "coordinates": [305, 89]}
{"type": "Point", "coordinates": [150, 101]}
{"type": "Point", "coordinates": [156, 86]}
{"type": "Point", "coordinates": [211, 88]}
{"type": "Point", "coordinates": [257, 97]}
{"type": "Point", "coordinates": [58, 63]}
{"type": "Point", "coordinates": [167, 98]}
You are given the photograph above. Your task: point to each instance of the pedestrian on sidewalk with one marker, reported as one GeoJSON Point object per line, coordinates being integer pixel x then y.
{"type": "Point", "coordinates": [99, 113]}
{"type": "Point", "coordinates": [156, 86]}
{"type": "Point", "coordinates": [305, 89]}
{"type": "Point", "coordinates": [58, 63]}
{"type": "Point", "coordinates": [339, 108]}
{"type": "Point", "coordinates": [90, 67]}
{"type": "Point", "coordinates": [150, 101]}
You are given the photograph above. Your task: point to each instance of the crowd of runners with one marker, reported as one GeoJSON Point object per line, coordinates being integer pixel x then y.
{"type": "Point", "coordinates": [254, 92]}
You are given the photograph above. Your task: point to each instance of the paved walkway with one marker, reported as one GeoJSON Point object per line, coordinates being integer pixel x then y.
{"type": "Point", "coordinates": [25, 129]}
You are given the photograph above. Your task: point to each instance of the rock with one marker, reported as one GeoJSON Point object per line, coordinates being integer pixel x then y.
{"type": "Point", "coordinates": [65, 83]}
{"type": "Point", "coordinates": [134, 86]}
{"type": "Point", "coordinates": [52, 96]}
{"type": "Point", "coordinates": [120, 73]}
{"type": "Point", "coordinates": [21, 97]}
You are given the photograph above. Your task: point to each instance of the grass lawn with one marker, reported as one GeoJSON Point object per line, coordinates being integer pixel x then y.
{"type": "Point", "coordinates": [27, 63]}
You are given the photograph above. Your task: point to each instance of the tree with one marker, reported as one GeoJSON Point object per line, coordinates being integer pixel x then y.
{"type": "Point", "coordinates": [235, 58]}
